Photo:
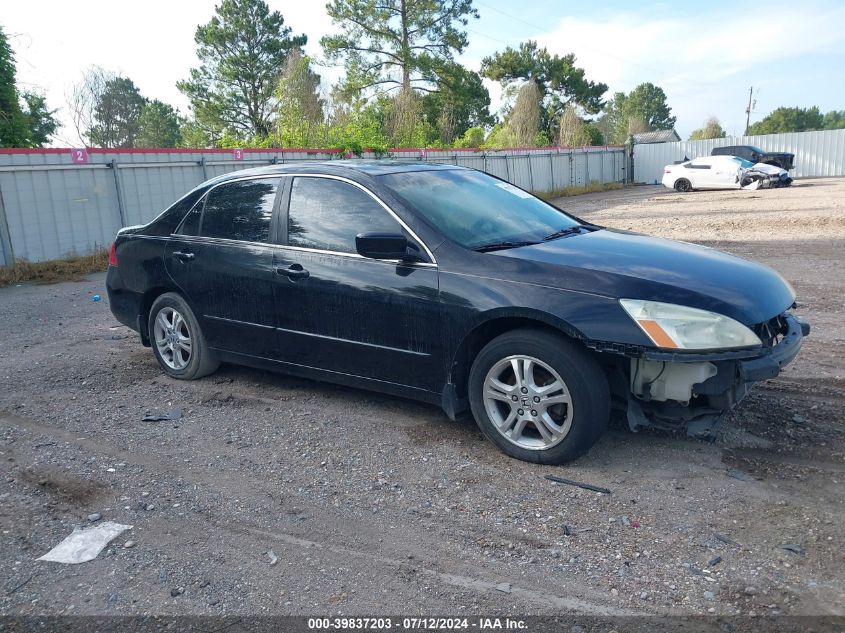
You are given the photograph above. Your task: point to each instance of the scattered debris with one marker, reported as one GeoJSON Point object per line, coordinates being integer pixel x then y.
{"type": "Point", "coordinates": [273, 558]}
{"type": "Point", "coordinates": [709, 595]}
{"type": "Point", "coordinates": [751, 591]}
{"type": "Point", "coordinates": [504, 587]}
{"type": "Point", "coordinates": [177, 591]}
{"type": "Point", "coordinates": [129, 545]}
{"type": "Point", "coordinates": [626, 521]}
{"type": "Point", "coordinates": [794, 548]}
{"type": "Point", "coordinates": [85, 544]}
{"type": "Point", "coordinates": [570, 482]}
{"type": "Point", "coordinates": [45, 444]}
{"type": "Point", "coordinates": [18, 586]}
{"type": "Point", "coordinates": [740, 474]}
{"type": "Point", "coordinates": [726, 539]}
{"type": "Point", "coordinates": [95, 516]}
{"type": "Point", "coordinates": [96, 298]}
{"type": "Point", "coordinates": [567, 531]}
{"type": "Point", "coordinates": [172, 414]}
{"type": "Point", "coordinates": [714, 561]}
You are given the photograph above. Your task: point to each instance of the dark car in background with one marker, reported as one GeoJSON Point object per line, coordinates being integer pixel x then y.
{"type": "Point", "coordinates": [784, 160]}
{"type": "Point", "coordinates": [453, 287]}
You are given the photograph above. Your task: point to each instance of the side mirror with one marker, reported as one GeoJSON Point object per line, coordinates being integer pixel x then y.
{"type": "Point", "coordinates": [385, 246]}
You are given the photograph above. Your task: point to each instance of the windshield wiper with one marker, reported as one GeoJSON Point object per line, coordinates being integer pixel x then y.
{"type": "Point", "coordinates": [499, 246]}
{"type": "Point", "coordinates": [567, 231]}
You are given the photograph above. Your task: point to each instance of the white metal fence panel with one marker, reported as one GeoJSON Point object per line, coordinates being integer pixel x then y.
{"type": "Point", "coordinates": [816, 153]}
{"type": "Point", "coordinates": [51, 208]}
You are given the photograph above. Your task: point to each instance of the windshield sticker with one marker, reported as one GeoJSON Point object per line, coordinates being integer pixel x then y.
{"type": "Point", "coordinates": [514, 190]}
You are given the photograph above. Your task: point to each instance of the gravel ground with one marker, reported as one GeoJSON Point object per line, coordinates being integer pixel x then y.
{"type": "Point", "coordinates": [376, 505]}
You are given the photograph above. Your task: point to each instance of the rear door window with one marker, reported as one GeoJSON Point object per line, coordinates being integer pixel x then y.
{"type": "Point", "coordinates": [240, 210]}
{"type": "Point", "coordinates": [326, 214]}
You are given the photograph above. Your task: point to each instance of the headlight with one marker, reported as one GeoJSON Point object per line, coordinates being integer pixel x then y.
{"type": "Point", "coordinates": [672, 326]}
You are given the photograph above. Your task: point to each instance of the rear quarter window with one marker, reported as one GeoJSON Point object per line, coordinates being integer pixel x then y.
{"type": "Point", "coordinates": [166, 223]}
{"type": "Point", "coordinates": [241, 210]}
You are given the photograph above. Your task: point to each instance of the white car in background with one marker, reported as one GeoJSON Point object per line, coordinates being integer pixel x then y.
{"type": "Point", "coordinates": [723, 172]}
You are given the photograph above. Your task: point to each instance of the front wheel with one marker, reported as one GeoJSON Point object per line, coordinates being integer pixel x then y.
{"type": "Point", "coordinates": [177, 340]}
{"type": "Point", "coordinates": [539, 396]}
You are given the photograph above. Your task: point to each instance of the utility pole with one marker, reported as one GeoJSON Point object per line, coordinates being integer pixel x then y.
{"type": "Point", "coordinates": [748, 110]}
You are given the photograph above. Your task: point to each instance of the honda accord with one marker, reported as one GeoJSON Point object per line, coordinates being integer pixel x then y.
{"type": "Point", "coordinates": [450, 286]}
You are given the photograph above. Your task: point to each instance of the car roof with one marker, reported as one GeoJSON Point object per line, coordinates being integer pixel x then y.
{"type": "Point", "coordinates": [343, 167]}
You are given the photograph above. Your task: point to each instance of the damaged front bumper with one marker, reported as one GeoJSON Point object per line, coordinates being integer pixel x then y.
{"type": "Point", "coordinates": [694, 391]}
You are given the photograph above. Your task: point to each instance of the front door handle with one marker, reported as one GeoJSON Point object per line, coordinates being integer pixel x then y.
{"type": "Point", "coordinates": [183, 257]}
{"type": "Point", "coordinates": [294, 271]}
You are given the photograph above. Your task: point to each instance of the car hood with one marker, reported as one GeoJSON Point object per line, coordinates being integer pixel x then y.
{"type": "Point", "coordinates": [620, 264]}
{"type": "Point", "coordinates": [772, 170]}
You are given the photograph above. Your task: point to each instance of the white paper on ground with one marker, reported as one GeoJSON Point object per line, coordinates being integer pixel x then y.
{"type": "Point", "coordinates": [85, 544]}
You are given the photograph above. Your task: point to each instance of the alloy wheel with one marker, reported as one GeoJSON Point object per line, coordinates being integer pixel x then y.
{"type": "Point", "coordinates": [528, 402]}
{"type": "Point", "coordinates": [172, 338]}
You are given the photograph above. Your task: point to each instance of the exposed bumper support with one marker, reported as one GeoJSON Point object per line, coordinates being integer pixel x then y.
{"type": "Point", "coordinates": [712, 398]}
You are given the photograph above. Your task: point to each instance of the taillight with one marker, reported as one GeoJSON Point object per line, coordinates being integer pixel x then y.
{"type": "Point", "coordinates": [113, 254]}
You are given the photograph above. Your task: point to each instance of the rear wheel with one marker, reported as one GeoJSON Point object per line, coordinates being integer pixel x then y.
{"type": "Point", "coordinates": [177, 340]}
{"type": "Point", "coordinates": [538, 396]}
{"type": "Point", "coordinates": [682, 185]}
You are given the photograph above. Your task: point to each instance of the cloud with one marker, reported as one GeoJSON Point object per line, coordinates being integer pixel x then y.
{"type": "Point", "coordinates": [704, 60]}
{"type": "Point", "coordinates": [694, 51]}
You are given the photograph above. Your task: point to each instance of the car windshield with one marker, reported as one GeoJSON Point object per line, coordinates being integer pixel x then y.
{"type": "Point", "coordinates": [476, 210]}
{"type": "Point", "coordinates": [756, 150]}
{"type": "Point", "coordinates": [745, 164]}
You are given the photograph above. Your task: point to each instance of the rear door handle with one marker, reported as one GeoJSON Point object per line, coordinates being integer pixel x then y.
{"type": "Point", "coordinates": [183, 257]}
{"type": "Point", "coordinates": [294, 271]}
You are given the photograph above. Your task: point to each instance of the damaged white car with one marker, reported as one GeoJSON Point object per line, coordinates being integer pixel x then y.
{"type": "Point", "coordinates": [723, 172]}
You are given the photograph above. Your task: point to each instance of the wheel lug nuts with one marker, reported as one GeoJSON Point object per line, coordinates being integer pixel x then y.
{"type": "Point", "coordinates": [534, 413]}
{"type": "Point", "coordinates": [520, 412]}
{"type": "Point", "coordinates": [525, 390]}
{"type": "Point", "coordinates": [536, 398]}
{"type": "Point", "coordinates": [514, 398]}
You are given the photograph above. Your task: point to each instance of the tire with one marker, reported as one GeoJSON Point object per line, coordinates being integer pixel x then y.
{"type": "Point", "coordinates": [682, 185]}
{"type": "Point", "coordinates": [580, 410]}
{"type": "Point", "coordinates": [177, 340]}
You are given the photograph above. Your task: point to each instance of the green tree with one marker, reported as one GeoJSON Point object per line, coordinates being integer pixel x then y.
{"type": "Point", "coordinates": [301, 116]}
{"type": "Point", "coordinates": [472, 138]}
{"type": "Point", "coordinates": [117, 114]}
{"type": "Point", "coordinates": [25, 119]}
{"type": "Point", "coordinates": [358, 126]}
{"type": "Point", "coordinates": [524, 121]}
{"type": "Point", "coordinates": [461, 102]}
{"type": "Point", "coordinates": [574, 132]}
{"type": "Point", "coordinates": [241, 51]}
{"type": "Point", "coordinates": [40, 120]}
{"type": "Point", "coordinates": [159, 126]}
{"type": "Point", "coordinates": [789, 120]}
{"type": "Point", "coordinates": [834, 120]}
{"type": "Point", "coordinates": [711, 129]}
{"type": "Point", "coordinates": [644, 109]}
{"type": "Point", "coordinates": [558, 79]}
{"type": "Point", "coordinates": [648, 102]}
{"type": "Point", "coordinates": [396, 43]}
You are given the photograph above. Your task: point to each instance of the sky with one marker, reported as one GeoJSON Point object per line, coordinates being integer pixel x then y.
{"type": "Point", "coordinates": [705, 55]}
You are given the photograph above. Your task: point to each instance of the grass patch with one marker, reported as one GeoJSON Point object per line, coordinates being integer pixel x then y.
{"type": "Point", "coordinates": [577, 190]}
{"type": "Point", "coordinates": [69, 269]}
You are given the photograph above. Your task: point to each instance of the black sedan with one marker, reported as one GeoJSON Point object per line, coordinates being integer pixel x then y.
{"type": "Point", "coordinates": [450, 286]}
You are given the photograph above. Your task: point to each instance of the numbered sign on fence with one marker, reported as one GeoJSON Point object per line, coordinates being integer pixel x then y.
{"type": "Point", "coordinates": [237, 154]}
{"type": "Point", "coordinates": [79, 156]}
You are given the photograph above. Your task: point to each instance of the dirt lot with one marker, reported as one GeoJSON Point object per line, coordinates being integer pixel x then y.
{"type": "Point", "coordinates": [375, 505]}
